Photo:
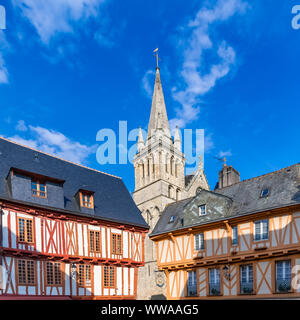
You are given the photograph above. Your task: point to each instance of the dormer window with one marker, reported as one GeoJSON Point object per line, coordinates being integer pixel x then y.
{"type": "Point", "coordinates": [264, 192]}
{"type": "Point", "coordinates": [86, 200]}
{"type": "Point", "coordinates": [202, 210]}
{"type": "Point", "coordinates": [172, 219]}
{"type": "Point", "coordinates": [38, 189]}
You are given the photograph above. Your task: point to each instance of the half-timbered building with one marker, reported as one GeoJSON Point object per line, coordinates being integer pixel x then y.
{"type": "Point", "coordinates": [240, 241]}
{"type": "Point", "coordinates": [65, 230]}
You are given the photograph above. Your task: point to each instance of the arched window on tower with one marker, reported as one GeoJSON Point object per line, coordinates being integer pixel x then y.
{"type": "Point", "coordinates": [172, 165]}
{"type": "Point", "coordinates": [143, 169]}
{"type": "Point", "coordinates": [176, 169]}
{"type": "Point", "coordinates": [170, 192]}
{"type": "Point", "coordinates": [148, 218]}
{"type": "Point", "coordinates": [177, 194]}
{"type": "Point", "coordinates": [148, 167]}
{"type": "Point", "coordinates": [166, 163]}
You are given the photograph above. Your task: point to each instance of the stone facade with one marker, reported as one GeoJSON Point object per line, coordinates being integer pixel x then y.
{"type": "Point", "coordinates": [159, 168]}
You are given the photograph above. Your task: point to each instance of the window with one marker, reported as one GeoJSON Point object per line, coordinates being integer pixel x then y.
{"type": "Point", "coordinates": [234, 240]}
{"type": "Point", "coordinates": [199, 241]}
{"type": "Point", "coordinates": [84, 275]}
{"type": "Point", "coordinates": [86, 200]}
{"type": "Point", "coordinates": [261, 230]}
{"type": "Point", "coordinates": [94, 241]}
{"type": "Point", "coordinates": [192, 283]}
{"type": "Point", "coordinates": [177, 195]}
{"type": "Point", "coordinates": [246, 279]}
{"type": "Point", "coordinates": [116, 243]}
{"type": "Point", "coordinates": [25, 233]}
{"type": "Point", "coordinates": [202, 210]}
{"type": "Point", "coordinates": [214, 282]}
{"type": "Point", "coordinates": [109, 276]}
{"type": "Point", "coordinates": [38, 189]}
{"type": "Point", "coordinates": [53, 273]}
{"type": "Point", "coordinates": [172, 219]}
{"type": "Point", "coordinates": [283, 276]}
{"type": "Point", "coordinates": [26, 272]}
{"type": "Point", "coordinates": [264, 193]}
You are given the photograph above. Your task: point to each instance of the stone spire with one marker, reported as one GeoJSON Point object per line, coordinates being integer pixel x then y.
{"type": "Point", "coordinates": [158, 117]}
{"type": "Point", "coordinates": [177, 141]}
{"type": "Point", "coordinates": [140, 142]}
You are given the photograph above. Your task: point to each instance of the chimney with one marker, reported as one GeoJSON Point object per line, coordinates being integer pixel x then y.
{"type": "Point", "coordinates": [228, 176]}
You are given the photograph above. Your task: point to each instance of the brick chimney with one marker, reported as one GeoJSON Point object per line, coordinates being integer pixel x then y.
{"type": "Point", "coordinates": [228, 176]}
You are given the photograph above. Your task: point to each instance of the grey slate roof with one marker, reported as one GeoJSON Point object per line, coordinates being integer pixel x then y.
{"type": "Point", "coordinates": [284, 190]}
{"type": "Point", "coordinates": [112, 201]}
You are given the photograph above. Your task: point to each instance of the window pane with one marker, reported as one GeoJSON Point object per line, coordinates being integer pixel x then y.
{"type": "Point", "coordinates": [192, 283]}
{"type": "Point", "coordinates": [29, 230]}
{"type": "Point", "coordinates": [246, 284]}
{"type": "Point", "coordinates": [92, 240]}
{"type": "Point", "coordinates": [49, 273]}
{"type": "Point", "coordinates": [30, 272]}
{"type": "Point", "coordinates": [22, 271]}
{"type": "Point", "coordinates": [21, 230]}
{"type": "Point", "coordinates": [234, 235]}
{"type": "Point", "coordinates": [57, 274]}
{"type": "Point", "coordinates": [283, 276]}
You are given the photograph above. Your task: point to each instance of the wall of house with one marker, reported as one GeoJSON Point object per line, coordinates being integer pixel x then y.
{"type": "Point", "coordinates": [125, 282]}
{"type": "Point", "coordinates": [65, 239]}
{"type": "Point", "coordinates": [176, 254]}
{"type": "Point", "coordinates": [263, 281]}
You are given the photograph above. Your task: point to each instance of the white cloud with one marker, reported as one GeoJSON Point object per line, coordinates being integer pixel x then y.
{"type": "Point", "coordinates": [50, 17]}
{"type": "Point", "coordinates": [55, 143]}
{"type": "Point", "coordinates": [21, 126]}
{"type": "Point", "coordinates": [3, 71]}
{"type": "Point", "coordinates": [3, 48]}
{"type": "Point", "coordinates": [147, 82]}
{"type": "Point", "coordinates": [199, 75]}
{"type": "Point", "coordinates": [223, 154]}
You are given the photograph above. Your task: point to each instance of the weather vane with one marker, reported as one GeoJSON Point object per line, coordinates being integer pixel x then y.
{"type": "Point", "coordinates": [155, 51]}
{"type": "Point", "coordinates": [222, 160]}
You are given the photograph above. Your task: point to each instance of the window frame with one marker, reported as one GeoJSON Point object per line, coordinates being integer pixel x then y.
{"type": "Point", "coordinates": [26, 273]}
{"type": "Point", "coordinates": [54, 270]}
{"type": "Point", "coordinates": [200, 210]}
{"type": "Point", "coordinates": [276, 262]}
{"type": "Point", "coordinates": [201, 248]}
{"type": "Point", "coordinates": [94, 238]}
{"type": "Point", "coordinates": [82, 282]}
{"type": "Point", "coordinates": [194, 283]}
{"type": "Point", "coordinates": [116, 236]}
{"type": "Point", "coordinates": [25, 241]}
{"type": "Point", "coordinates": [261, 230]}
{"type": "Point", "coordinates": [235, 244]}
{"type": "Point", "coordinates": [210, 283]}
{"type": "Point", "coordinates": [111, 284]}
{"type": "Point", "coordinates": [38, 183]}
{"type": "Point", "coordinates": [84, 203]}
{"type": "Point", "coordinates": [249, 276]}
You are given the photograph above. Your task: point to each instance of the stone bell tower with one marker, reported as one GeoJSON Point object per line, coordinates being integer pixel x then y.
{"type": "Point", "coordinates": [159, 167]}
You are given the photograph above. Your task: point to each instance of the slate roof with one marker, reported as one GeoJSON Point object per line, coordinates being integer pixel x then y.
{"type": "Point", "coordinates": [112, 201]}
{"type": "Point", "coordinates": [284, 190]}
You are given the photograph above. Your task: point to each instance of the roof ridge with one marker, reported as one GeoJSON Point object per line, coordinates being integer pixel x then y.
{"type": "Point", "coordinates": [263, 175]}
{"type": "Point", "coordinates": [50, 155]}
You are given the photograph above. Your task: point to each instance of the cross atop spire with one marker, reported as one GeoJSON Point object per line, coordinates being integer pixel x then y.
{"type": "Point", "coordinates": [156, 54]}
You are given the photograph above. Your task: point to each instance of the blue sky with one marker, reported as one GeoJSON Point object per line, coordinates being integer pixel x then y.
{"type": "Point", "coordinates": [70, 68]}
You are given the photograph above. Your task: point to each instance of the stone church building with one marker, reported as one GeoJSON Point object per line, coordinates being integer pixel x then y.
{"type": "Point", "coordinates": [160, 179]}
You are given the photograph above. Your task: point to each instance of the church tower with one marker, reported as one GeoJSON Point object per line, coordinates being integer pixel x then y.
{"type": "Point", "coordinates": [160, 179]}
